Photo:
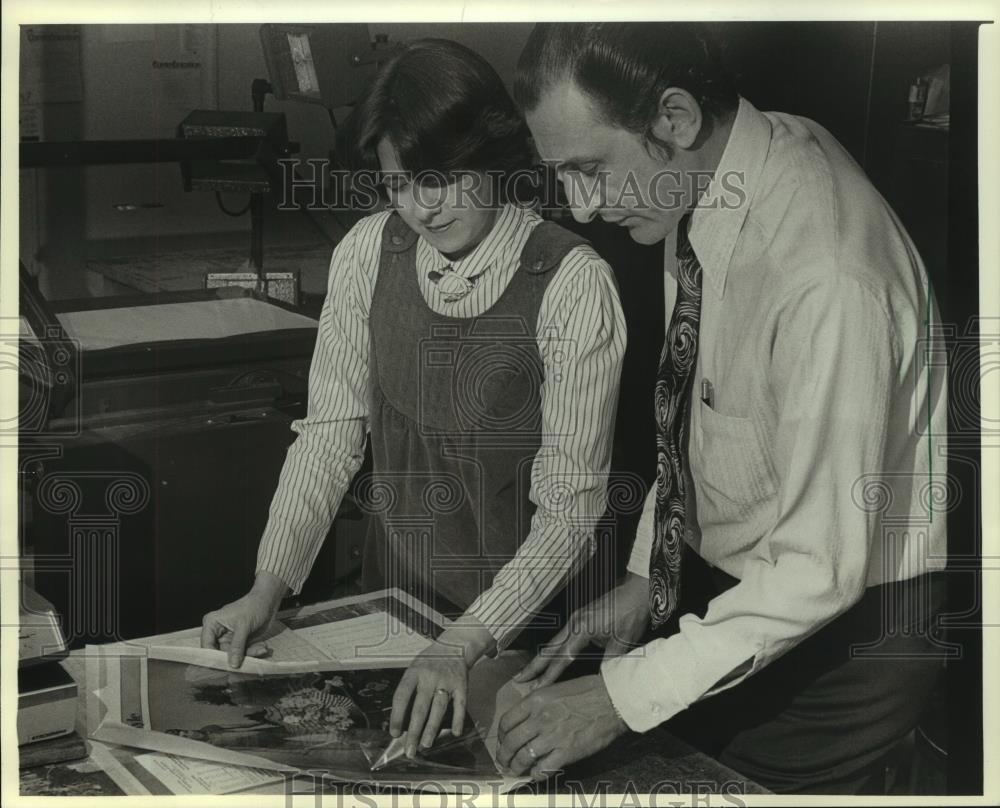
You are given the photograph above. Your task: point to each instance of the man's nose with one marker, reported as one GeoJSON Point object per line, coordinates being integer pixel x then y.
{"type": "Point", "coordinates": [583, 214]}
{"type": "Point", "coordinates": [584, 203]}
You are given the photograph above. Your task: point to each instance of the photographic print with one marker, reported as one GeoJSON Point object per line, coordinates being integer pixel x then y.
{"type": "Point", "coordinates": [333, 721]}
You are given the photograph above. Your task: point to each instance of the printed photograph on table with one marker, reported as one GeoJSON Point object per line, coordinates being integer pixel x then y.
{"type": "Point", "coordinates": [327, 720]}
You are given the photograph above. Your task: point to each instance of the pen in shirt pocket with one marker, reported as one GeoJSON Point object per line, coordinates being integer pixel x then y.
{"type": "Point", "coordinates": [707, 393]}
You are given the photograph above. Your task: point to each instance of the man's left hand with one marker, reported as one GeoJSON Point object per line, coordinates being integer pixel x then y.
{"type": "Point", "coordinates": [558, 725]}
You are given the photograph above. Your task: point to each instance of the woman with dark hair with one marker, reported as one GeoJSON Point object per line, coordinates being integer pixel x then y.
{"type": "Point", "coordinates": [481, 348]}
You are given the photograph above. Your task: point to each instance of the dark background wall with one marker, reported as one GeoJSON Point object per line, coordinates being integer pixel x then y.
{"type": "Point", "coordinates": [852, 77]}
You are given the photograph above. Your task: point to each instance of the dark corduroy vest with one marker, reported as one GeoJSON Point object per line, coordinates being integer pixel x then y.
{"type": "Point", "coordinates": [455, 424]}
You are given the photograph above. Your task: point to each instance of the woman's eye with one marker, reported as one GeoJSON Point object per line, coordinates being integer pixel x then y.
{"type": "Point", "coordinates": [434, 181]}
{"type": "Point", "coordinates": [395, 188]}
{"type": "Point", "coordinates": [395, 183]}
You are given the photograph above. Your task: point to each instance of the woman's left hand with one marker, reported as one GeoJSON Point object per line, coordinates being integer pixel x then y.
{"type": "Point", "coordinates": [439, 676]}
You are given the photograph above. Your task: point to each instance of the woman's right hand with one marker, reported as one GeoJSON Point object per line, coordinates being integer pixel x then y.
{"type": "Point", "coordinates": [237, 627]}
{"type": "Point", "coordinates": [616, 622]}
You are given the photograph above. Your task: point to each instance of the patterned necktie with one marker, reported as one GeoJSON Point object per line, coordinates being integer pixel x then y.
{"type": "Point", "coordinates": [673, 388]}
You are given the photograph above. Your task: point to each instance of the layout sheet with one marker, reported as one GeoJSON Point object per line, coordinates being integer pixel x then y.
{"type": "Point", "coordinates": [138, 773]}
{"type": "Point", "coordinates": [97, 329]}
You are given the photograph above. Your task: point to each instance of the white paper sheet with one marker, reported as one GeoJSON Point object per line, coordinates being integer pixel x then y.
{"type": "Point", "coordinates": [371, 637]}
{"type": "Point", "coordinates": [219, 661]}
{"type": "Point", "coordinates": [286, 645]}
{"type": "Point", "coordinates": [203, 319]}
{"type": "Point", "coordinates": [189, 776]}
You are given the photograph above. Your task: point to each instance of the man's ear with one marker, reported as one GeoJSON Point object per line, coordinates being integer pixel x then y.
{"type": "Point", "coordinates": [678, 119]}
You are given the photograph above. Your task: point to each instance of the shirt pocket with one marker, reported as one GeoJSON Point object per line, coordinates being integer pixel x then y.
{"type": "Point", "coordinates": [731, 469]}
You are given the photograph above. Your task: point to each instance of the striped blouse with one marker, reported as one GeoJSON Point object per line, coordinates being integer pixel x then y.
{"type": "Point", "coordinates": [581, 340]}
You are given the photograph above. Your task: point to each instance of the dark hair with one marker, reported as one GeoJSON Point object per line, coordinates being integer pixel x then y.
{"type": "Point", "coordinates": [443, 108]}
{"type": "Point", "coordinates": [625, 67]}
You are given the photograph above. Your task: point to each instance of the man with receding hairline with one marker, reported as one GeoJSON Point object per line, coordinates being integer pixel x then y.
{"type": "Point", "coordinates": [771, 605]}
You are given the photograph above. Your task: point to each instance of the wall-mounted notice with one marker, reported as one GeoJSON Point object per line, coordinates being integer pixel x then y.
{"type": "Point", "coordinates": [177, 64]}
{"type": "Point", "coordinates": [50, 64]}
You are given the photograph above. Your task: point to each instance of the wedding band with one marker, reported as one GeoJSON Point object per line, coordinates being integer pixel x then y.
{"type": "Point", "coordinates": [442, 692]}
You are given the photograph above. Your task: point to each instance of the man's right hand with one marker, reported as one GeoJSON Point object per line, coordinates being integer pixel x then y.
{"type": "Point", "coordinates": [235, 627]}
{"type": "Point", "coordinates": [616, 622]}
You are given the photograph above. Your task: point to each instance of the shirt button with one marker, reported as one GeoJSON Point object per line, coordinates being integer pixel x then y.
{"type": "Point", "coordinates": [397, 240]}
{"type": "Point", "coordinates": [539, 265]}
{"type": "Point", "coordinates": [655, 709]}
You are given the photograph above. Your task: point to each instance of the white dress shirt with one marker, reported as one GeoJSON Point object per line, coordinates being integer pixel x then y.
{"type": "Point", "coordinates": [817, 461]}
{"type": "Point", "coordinates": [581, 339]}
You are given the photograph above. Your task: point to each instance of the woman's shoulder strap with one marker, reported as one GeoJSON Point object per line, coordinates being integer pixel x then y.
{"type": "Point", "coordinates": [546, 247]}
{"type": "Point", "coordinates": [397, 237]}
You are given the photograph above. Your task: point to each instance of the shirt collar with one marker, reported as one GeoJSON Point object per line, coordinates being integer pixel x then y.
{"type": "Point", "coordinates": [494, 250]}
{"type": "Point", "coordinates": [722, 209]}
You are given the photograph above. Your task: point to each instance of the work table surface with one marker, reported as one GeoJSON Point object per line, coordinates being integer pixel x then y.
{"type": "Point", "coordinates": [654, 762]}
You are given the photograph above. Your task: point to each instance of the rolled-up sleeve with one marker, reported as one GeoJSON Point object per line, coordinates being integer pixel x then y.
{"type": "Point", "coordinates": [833, 361]}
